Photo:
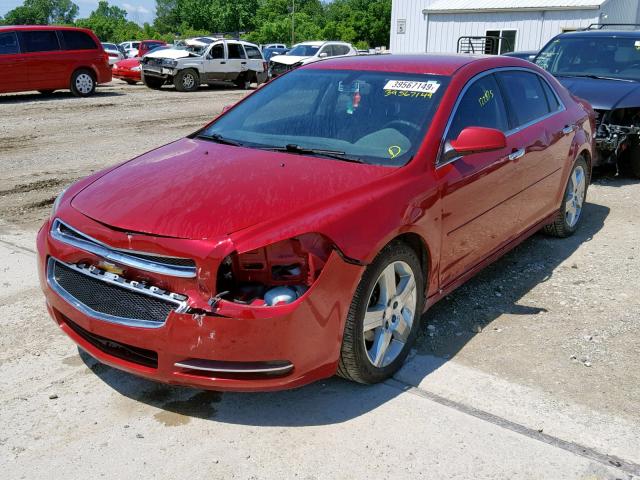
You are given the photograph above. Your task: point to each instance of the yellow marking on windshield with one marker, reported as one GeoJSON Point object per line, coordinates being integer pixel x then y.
{"type": "Point", "coordinates": [394, 151]}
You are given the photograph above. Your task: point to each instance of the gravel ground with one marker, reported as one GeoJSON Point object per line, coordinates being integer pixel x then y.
{"type": "Point", "coordinates": [559, 318]}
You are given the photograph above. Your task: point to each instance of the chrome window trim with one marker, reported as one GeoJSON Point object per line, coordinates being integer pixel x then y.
{"type": "Point", "coordinates": [508, 133]}
{"type": "Point", "coordinates": [98, 248]}
{"type": "Point", "coordinates": [181, 305]}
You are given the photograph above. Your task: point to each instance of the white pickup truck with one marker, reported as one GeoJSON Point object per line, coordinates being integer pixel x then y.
{"type": "Point", "coordinates": [188, 67]}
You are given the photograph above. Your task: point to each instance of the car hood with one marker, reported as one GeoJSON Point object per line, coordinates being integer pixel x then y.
{"type": "Point", "coordinates": [128, 63]}
{"type": "Point", "coordinates": [170, 53]}
{"type": "Point", "coordinates": [288, 59]}
{"type": "Point", "coordinates": [197, 189]}
{"type": "Point", "coordinates": [604, 94]}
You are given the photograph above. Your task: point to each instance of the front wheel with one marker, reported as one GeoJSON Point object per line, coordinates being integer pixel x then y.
{"type": "Point", "coordinates": [152, 82]}
{"type": "Point", "coordinates": [383, 320]}
{"type": "Point", "coordinates": [187, 81]}
{"type": "Point", "coordinates": [83, 83]}
{"type": "Point", "coordinates": [569, 216]}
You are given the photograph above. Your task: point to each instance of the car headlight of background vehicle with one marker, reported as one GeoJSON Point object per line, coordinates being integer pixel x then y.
{"type": "Point", "coordinates": [57, 202]}
{"type": "Point", "coordinates": [276, 274]}
{"type": "Point", "coordinates": [167, 62]}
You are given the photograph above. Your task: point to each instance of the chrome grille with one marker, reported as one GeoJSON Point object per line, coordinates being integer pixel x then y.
{"type": "Point", "coordinates": [172, 266]}
{"type": "Point", "coordinates": [111, 298]}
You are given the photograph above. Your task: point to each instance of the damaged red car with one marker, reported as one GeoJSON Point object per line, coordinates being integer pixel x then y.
{"type": "Point", "coordinates": [305, 231]}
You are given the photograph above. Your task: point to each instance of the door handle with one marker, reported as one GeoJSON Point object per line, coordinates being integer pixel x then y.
{"type": "Point", "coordinates": [517, 154]}
{"type": "Point", "coordinates": [568, 129]}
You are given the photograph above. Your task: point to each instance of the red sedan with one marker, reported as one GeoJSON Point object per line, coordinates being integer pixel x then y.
{"type": "Point", "coordinates": [305, 231]}
{"type": "Point", "coordinates": [127, 70]}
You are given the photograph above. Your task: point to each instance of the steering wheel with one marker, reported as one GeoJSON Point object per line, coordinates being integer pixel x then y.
{"type": "Point", "coordinates": [403, 126]}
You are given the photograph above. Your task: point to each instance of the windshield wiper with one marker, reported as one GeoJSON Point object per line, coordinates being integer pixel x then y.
{"type": "Point", "coordinates": [293, 148]}
{"type": "Point", "coordinates": [596, 77]}
{"type": "Point", "coordinates": [216, 137]}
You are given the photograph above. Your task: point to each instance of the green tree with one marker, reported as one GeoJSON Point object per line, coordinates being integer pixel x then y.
{"type": "Point", "coordinates": [109, 23]}
{"type": "Point", "coordinates": [42, 12]}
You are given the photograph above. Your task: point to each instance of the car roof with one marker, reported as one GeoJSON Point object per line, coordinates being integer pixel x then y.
{"type": "Point", "coordinates": [40, 27]}
{"type": "Point", "coordinates": [445, 65]}
{"type": "Point", "coordinates": [602, 33]}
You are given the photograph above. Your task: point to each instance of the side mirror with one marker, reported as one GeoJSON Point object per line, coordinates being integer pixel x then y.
{"type": "Point", "coordinates": [478, 139]}
{"type": "Point", "coordinates": [323, 55]}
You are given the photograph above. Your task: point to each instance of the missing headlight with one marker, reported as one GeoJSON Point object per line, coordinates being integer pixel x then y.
{"type": "Point", "coordinates": [276, 274]}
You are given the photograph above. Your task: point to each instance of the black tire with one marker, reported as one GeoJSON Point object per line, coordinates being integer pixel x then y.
{"type": "Point", "coordinates": [243, 81]}
{"type": "Point", "coordinates": [83, 83]}
{"type": "Point", "coordinates": [46, 93]}
{"type": "Point", "coordinates": [560, 227]}
{"type": "Point", "coordinates": [354, 361]}
{"type": "Point", "coordinates": [187, 80]}
{"type": "Point", "coordinates": [153, 83]}
{"type": "Point", "coordinates": [130, 82]}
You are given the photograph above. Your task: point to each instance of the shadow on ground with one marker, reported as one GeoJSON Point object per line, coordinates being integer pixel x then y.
{"type": "Point", "coordinates": [495, 291]}
{"type": "Point", "coordinates": [57, 95]}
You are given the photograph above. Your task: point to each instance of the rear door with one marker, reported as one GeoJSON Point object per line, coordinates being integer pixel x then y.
{"type": "Point", "coordinates": [13, 67]}
{"type": "Point", "coordinates": [255, 61]}
{"type": "Point", "coordinates": [479, 212]}
{"type": "Point", "coordinates": [77, 48]}
{"type": "Point", "coordinates": [43, 58]}
{"type": "Point", "coordinates": [237, 59]}
{"type": "Point", "coordinates": [538, 118]}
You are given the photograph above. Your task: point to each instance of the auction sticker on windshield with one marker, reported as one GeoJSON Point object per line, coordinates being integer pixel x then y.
{"type": "Point", "coordinates": [408, 86]}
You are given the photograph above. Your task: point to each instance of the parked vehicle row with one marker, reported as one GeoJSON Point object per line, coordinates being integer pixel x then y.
{"type": "Point", "coordinates": [114, 52]}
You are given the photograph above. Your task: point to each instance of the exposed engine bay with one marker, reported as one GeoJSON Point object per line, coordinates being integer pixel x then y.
{"type": "Point", "coordinates": [617, 132]}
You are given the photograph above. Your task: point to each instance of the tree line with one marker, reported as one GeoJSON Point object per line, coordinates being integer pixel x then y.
{"type": "Point", "coordinates": [365, 23]}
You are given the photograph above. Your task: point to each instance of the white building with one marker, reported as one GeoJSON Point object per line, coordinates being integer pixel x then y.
{"type": "Point", "coordinates": [435, 26]}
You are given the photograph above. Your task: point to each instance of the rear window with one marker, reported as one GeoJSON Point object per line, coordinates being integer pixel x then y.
{"type": "Point", "coordinates": [253, 52]}
{"type": "Point", "coordinates": [75, 40]}
{"type": "Point", "coordinates": [40, 41]}
{"type": "Point", "coordinates": [9, 43]}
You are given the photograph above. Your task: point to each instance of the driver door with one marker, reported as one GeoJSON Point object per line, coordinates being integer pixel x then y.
{"type": "Point", "coordinates": [215, 64]}
{"type": "Point", "coordinates": [479, 211]}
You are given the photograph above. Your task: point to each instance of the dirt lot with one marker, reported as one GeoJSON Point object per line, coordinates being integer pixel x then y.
{"type": "Point", "coordinates": [531, 370]}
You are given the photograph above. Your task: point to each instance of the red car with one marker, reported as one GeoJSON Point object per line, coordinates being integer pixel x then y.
{"type": "Point", "coordinates": [147, 45]}
{"type": "Point", "coordinates": [277, 245]}
{"type": "Point", "coordinates": [127, 70]}
{"type": "Point", "coordinates": [48, 58]}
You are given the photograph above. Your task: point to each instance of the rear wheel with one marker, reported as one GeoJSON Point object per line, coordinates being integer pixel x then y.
{"type": "Point", "coordinates": [152, 82]}
{"type": "Point", "coordinates": [243, 81]}
{"type": "Point", "coordinates": [83, 83]}
{"type": "Point", "coordinates": [568, 217]}
{"type": "Point", "coordinates": [187, 81]}
{"type": "Point", "coordinates": [383, 320]}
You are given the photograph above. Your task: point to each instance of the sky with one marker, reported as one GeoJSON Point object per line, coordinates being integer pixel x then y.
{"type": "Point", "coordinates": [139, 11]}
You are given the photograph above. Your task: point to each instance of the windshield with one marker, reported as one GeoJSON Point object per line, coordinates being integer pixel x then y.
{"type": "Point", "coordinates": [371, 117]}
{"type": "Point", "coordinates": [304, 51]}
{"type": "Point", "coordinates": [109, 46]}
{"type": "Point", "coordinates": [615, 57]}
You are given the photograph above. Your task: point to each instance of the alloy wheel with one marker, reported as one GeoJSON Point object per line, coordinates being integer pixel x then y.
{"type": "Point", "coordinates": [390, 314]}
{"type": "Point", "coordinates": [575, 196]}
